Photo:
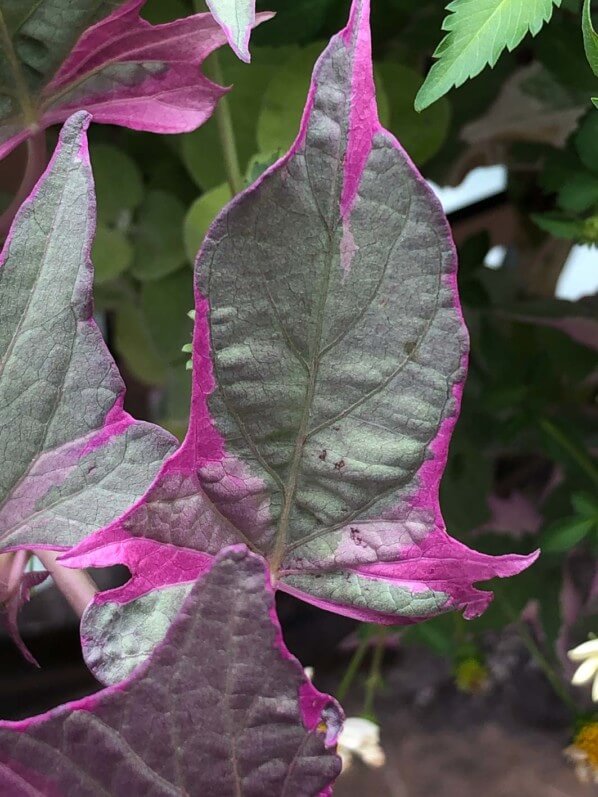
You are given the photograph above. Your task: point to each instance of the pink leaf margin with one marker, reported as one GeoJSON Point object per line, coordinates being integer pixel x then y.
{"type": "Point", "coordinates": [319, 712]}
{"type": "Point", "coordinates": [173, 98]}
{"type": "Point", "coordinates": [438, 561]}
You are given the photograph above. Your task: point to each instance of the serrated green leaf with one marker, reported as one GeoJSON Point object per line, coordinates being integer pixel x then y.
{"type": "Point", "coordinates": [200, 215]}
{"type": "Point", "coordinates": [112, 254]}
{"type": "Point", "coordinates": [590, 38]}
{"type": "Point", "coordinates": [478, 32]}
{"type": "Point", "coordinates": [158, 239]}
{"type": "Point", "coordinates": [119, 185]}
{"type": "Point", "coordinates": [566, 535]}
{"type": "Point", "coordinates": [423, 134]}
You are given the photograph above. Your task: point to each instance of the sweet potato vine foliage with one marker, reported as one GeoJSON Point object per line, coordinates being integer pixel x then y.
{"type": "Point", "coordinates": [58, 56]}
{"type": "Point", "coordinates": [329, 359]}
{"type": "Point", "coordinates": [235, 716]}
{"type": "Point", "coordinates": [329, 355]}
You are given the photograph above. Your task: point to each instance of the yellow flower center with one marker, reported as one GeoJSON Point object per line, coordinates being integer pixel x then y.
{"type": "Point", "coordinates": [471, 675]}
{"type": "Point", "coordinates": [587, 741]}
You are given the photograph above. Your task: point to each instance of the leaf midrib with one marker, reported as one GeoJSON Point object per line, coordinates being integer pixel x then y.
{"type": "Point", "coordinates": [290, 489]}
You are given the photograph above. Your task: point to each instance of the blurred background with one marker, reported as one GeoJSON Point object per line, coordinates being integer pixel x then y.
{"type": "Point", "coordinates": [465, 708]}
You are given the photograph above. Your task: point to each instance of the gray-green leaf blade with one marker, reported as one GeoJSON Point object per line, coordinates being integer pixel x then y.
{"type": "Point", "coordinates": [71, 458]}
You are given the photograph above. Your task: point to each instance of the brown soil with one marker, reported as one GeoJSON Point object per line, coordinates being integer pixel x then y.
{"type": "Point", "coordinates": [439, 742]}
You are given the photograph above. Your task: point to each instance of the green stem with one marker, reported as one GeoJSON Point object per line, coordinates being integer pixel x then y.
{"type": "Point", "coordinates": [226, 132]}
{"type": "Point", "coordinates": [538, 656]}
{"type": "Point", "coordinates": [374, 679]}
{"type": "Point", "coordinates": [546, 667]}
{"type": "Point", "coordinates": [580, 456]}
{"type": "Point", "coordinates": [352, 669]}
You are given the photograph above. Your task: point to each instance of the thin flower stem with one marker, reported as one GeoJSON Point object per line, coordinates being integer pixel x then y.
{"type": "Point", "coordinates": [36, 163]}
{"type": "Point", "coordinates": [538, 655]}
{"type": "Point", "coordinates": [76, 585]}
{"type": "Point", "coordinates": [352, 669]}
{"type": "Point", "coordinates": [546, 667]}
{"type": "Point", "coordinates": [374, 679]}
{"type": "Point", "coordinates": [226, 132]}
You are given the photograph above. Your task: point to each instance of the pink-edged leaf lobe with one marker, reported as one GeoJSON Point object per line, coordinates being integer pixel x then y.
{"type": "Point", "coordinates": [122, 69]}
{"type": "Point", "coordinates": [329, 357]}
{"type": "Point", "coordinates": [237, 18]}
{"type": "Point", "coordinates": [15, 591]}
{"type": "Point", "coordinates": [221, 709]}
{"type": "Point", "coordinates": [72, 458]}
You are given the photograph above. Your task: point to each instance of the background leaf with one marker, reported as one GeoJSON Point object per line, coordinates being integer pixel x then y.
{"type": "Point", "coordinates": [201, 214]}
{"type": "Point", "coordinates": [421, 134]}
{"type": "Point", "coordinates": [112, 253]}
{"type": "Point", "coordinates": [590, 40]}
{"type": "Point", "coordinates": [118, 181]}
{"type": "Point", "coordinates": [158, 246]}
{"type": "Point", "coordinates": [478, 32]}
{"type": "Point", "coordinates": [249, 84]}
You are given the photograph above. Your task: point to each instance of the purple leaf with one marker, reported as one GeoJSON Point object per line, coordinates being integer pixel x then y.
{"type": "Point", "coordinates": [123, 70]}
{"type": "Point", "coordinates": [329, 361]}
{"type": "Point", "coordinates": [72, 458]}
{"type": "Point", "coordinates": [578, 320]}
{"type": "Point", "coordinates": [220, 709]}
{"type": "Point", "coordinates": [237, 18]}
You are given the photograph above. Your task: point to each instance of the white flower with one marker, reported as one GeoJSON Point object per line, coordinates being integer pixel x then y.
{"type": "Point", "coordinates": [360, 737]}
{"type": "Point", "coordinates": [587, 654]}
